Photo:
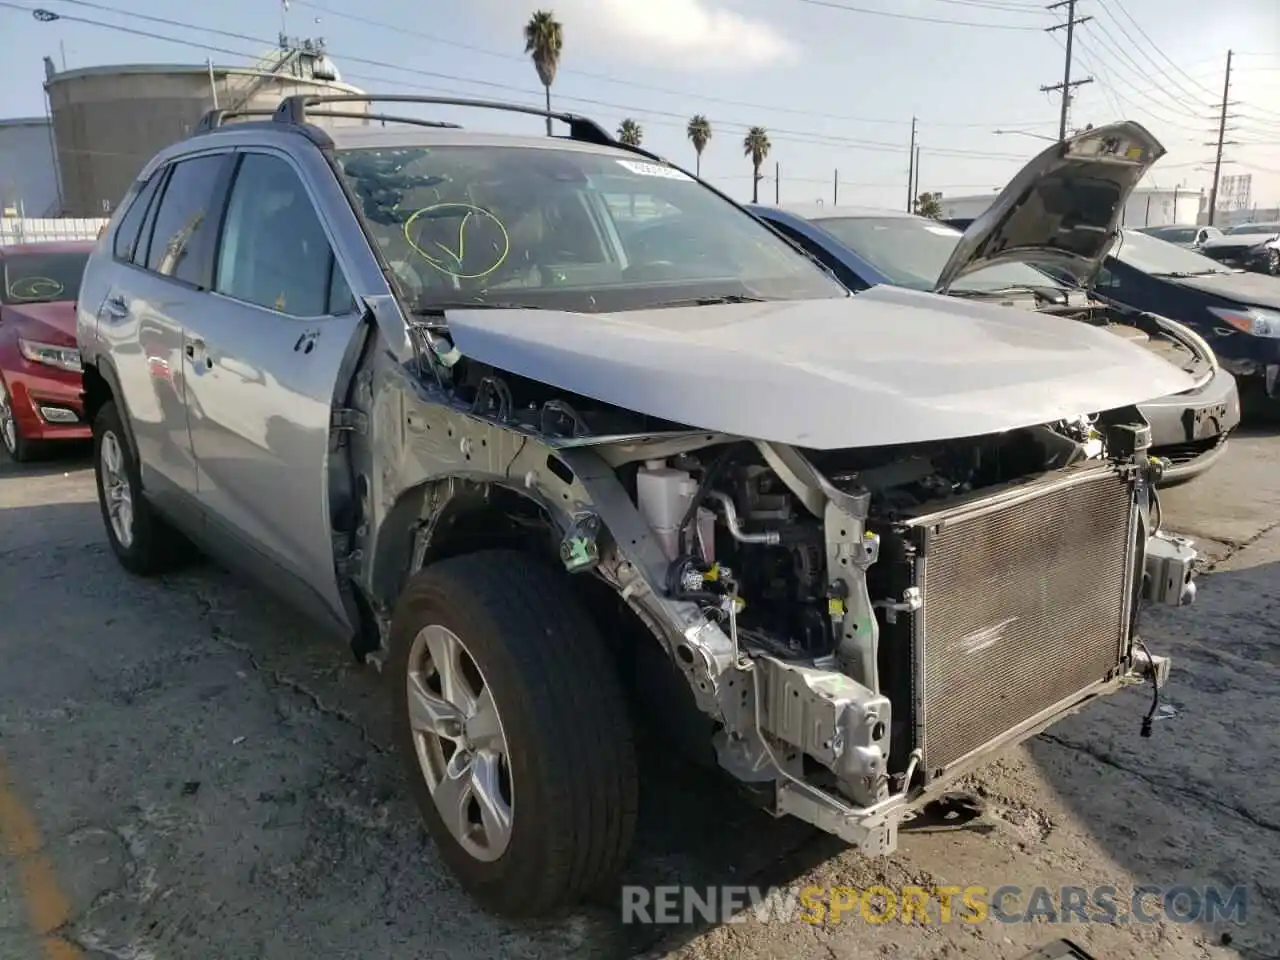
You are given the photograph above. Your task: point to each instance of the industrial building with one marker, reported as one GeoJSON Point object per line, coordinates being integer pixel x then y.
{"type": "Point", "coordinates": [28, 170]}
{"type": "Point", "coordinates": [109, 121]}
{"type": "Point", "coordinates": [1147, 206]}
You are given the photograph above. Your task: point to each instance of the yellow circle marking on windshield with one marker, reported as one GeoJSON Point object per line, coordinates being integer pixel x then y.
{"type": "Point", "coordinates": [448, 257]}
{"type": "Point", "coordinates": [34, 288]}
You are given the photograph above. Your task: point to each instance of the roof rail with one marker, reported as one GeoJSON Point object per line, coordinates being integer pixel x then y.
{"type": "Point", "coordinates": [295, 110]}
{"type": "Point", "coordinates": [215, 118]}
{"type": "Point", "coordinates": [356, 115]}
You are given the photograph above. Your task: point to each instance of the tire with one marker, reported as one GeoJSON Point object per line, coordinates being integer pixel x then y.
{"type": "Point", "coordinates": [570, 759]}
{"type": "Point", "coordinates": [145, 545]}
{"type": "Point", "coordinates": [18, 447]}
{"type": "Point", "coordinates": [1273, 263]}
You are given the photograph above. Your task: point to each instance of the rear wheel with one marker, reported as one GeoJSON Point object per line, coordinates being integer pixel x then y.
{"type": "Point", "coordinates": [140, 538]}
{"type": "Point", "coordinates": [1273, 262]}
{"type": "Point", "coordinates": [19, 448]}
{"type": "Point", "coordinates": [511, 721]}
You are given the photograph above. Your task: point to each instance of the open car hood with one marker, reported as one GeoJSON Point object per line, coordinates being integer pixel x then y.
{"type": "Point", "coordinates": [1063, 208]}
{"type": "Point", "coordinates": [885, 366]}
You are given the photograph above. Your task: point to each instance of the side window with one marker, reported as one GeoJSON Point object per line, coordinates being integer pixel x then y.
{"type": "Point", "coordinates": [181, 221]}
{"type": "Point", "coordinates": [126, 238]}
{"type": "Point", "coordinates": [274, 252]}
{"type": "Point", "coordinates": [1106, 278]}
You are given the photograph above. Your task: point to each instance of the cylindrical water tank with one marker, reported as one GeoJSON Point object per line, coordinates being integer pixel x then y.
{"type": "Point", "coordinates": [109, 121]}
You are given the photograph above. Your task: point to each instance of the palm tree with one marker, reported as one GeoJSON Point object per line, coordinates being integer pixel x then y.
{"type": "Point", "coordinates": [756, 146]}
{"type": "Point", "coordinates": [630, 132]}
{"type": "Point", "coordinates": [699, 132]}
{"type": "Point", "coordinates": [929, 205]}
{"type": "Point", "coordinates": [544, 41]}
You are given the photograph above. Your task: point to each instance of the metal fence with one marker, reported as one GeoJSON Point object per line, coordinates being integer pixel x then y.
{"type": "Point", "coordinates": [43, 230]}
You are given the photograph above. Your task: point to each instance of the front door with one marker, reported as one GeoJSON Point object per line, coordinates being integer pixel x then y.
{"type": "Point", "coordinates": [262, 356]}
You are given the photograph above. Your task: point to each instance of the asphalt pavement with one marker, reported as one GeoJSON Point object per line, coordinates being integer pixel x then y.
{"type": "Point", "coordinates": [188, 771]}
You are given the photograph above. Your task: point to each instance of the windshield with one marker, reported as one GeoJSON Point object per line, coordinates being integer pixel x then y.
{"type": "Point", "coordinates": [41, 277]}
{"type": "Point", "coordinates": [1171, 234]}
{"type": "Point", "coordinates": [1255, 228]}
{"type": "Point", "coordinates": [565, 228]}
{"type": "Point", "coordinates": [911, 251]}
{"type": "Point", "coordinates": [1160, 258]}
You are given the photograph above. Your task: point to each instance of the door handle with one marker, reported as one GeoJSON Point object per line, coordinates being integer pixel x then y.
{"type": "Point", "coordinates": [117, 307]}
{"type": "Point", "coordinates": [196, 346]}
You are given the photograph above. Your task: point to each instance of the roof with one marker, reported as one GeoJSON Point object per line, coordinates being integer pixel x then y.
{"type": "Point", "coordinates": [357, 135]}
{"type": "Point", "coordinates": [817, 211]}
{"type": "Point", "coordinates": [47, 246]}
{"type": "Point", "coordinates": [352, 135]}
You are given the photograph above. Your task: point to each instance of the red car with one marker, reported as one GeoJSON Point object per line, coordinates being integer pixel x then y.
{"type": "Point", "coordinates": [39, 360]}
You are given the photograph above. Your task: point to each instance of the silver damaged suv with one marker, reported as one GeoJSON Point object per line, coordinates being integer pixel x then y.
{"type": "Point", "coordinates": [551, 430]}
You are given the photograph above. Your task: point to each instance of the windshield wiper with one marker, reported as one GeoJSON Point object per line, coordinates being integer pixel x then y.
{"type": "Point", "coordinates": [438, 309]}
{"type": "Point", "coordinates": [1182, 274]}
{"type": "Point", "coordinates": [1052, 294]}
{"type": "Point", "coordinates": [706, 301]}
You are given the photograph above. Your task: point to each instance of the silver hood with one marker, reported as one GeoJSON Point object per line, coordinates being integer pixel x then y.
{"type": "Point", "coordinates": [885, 366]}
{"type": "Point", "coordinates": [1063, 208]}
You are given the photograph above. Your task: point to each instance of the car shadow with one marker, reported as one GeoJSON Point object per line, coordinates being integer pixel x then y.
{"type": "Point", "coordinates": [61, 459]}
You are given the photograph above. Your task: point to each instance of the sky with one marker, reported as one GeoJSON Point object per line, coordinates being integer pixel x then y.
{"type": "Point", "coordinates": [835, 83]}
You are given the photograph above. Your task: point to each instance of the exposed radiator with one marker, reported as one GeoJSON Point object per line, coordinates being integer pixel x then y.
{"type": "Point", "coordinates": [1025, 603]}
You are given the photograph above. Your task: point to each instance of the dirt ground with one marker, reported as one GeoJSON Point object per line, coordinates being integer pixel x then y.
{"type": "Point", "coordinates": [186, 771]}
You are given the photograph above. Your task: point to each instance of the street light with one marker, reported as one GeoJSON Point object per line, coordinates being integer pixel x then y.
{"type": "Point", "coordinates": [1024, 133]}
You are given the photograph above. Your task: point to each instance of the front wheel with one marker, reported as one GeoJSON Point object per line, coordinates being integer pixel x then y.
{"type": "Point", "coordinates": [512, 724]}
{"type": "Point", "coordinates": [19, 448]}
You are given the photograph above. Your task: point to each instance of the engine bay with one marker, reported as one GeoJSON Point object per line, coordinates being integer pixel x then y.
{"type": "Point", "coordinates": [740, 542]}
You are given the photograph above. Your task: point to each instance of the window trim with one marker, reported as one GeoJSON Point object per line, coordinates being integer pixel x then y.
{"type": "Point", "coordinates": [157, 179]}
{"type": "Point", "coordinates": [335, 262]}
{"type": "Point", "coordinates": [217, 198]}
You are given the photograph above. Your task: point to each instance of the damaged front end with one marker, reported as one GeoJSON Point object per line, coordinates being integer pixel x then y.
{"type": "Point", "coordinates": [860, 626]}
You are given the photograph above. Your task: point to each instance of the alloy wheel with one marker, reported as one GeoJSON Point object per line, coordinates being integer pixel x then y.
{"type": "Point", "coordinates": [461, 748]}
{"type": "Point", "coordinates": [115, 488]}
{"type": "Point", "coordinates": [8, 423]}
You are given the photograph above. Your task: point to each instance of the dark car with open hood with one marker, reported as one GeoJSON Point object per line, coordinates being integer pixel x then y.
{"type": "Point", "coordinates": [1059, 214]}
{"type": "Point", "coordinates": [541, 423]}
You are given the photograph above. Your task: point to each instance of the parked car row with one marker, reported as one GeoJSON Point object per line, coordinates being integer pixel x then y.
{"type": "Point", "coordinates": [543, 424]}
{"type": "Point", "coordinates": [1014, 255]}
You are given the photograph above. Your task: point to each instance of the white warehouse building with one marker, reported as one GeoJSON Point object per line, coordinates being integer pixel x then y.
{"type": "Point", "coordinates": [1147, 206]}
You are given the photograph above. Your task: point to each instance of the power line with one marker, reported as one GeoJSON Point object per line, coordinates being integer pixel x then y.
{"type": "Point", "coordinates": [1120, 6]}
{"type": "Point", "coordinates": [915, 18]}
{"type": "Point", "coordinates": [1067, 84]}
{"type": "Point", "coordinates": [411, 32]}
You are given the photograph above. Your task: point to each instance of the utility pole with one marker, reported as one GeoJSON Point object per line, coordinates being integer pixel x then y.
{"type": "Point", "coordinates": [915, 190]}
{"type": "Point", "coordinates": [1067, 84]}
{"type": "Point", "coordinates": [835, 189]}
{"type": "Point", "coordinates": [911, 165]}
{"type": "Point", "coordinates": [777, 183]}
{"type": "Point", "coordinates": [1222, 133]}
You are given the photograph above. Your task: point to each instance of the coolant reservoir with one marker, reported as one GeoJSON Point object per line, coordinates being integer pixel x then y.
{"type": "Point", "coordinates": [663, 495]}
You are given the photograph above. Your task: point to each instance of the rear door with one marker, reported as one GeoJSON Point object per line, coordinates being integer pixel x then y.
{"type": "Point", "coordinates": [163, 253]}
{"type": "Point", "coordinates": [262, 357]}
